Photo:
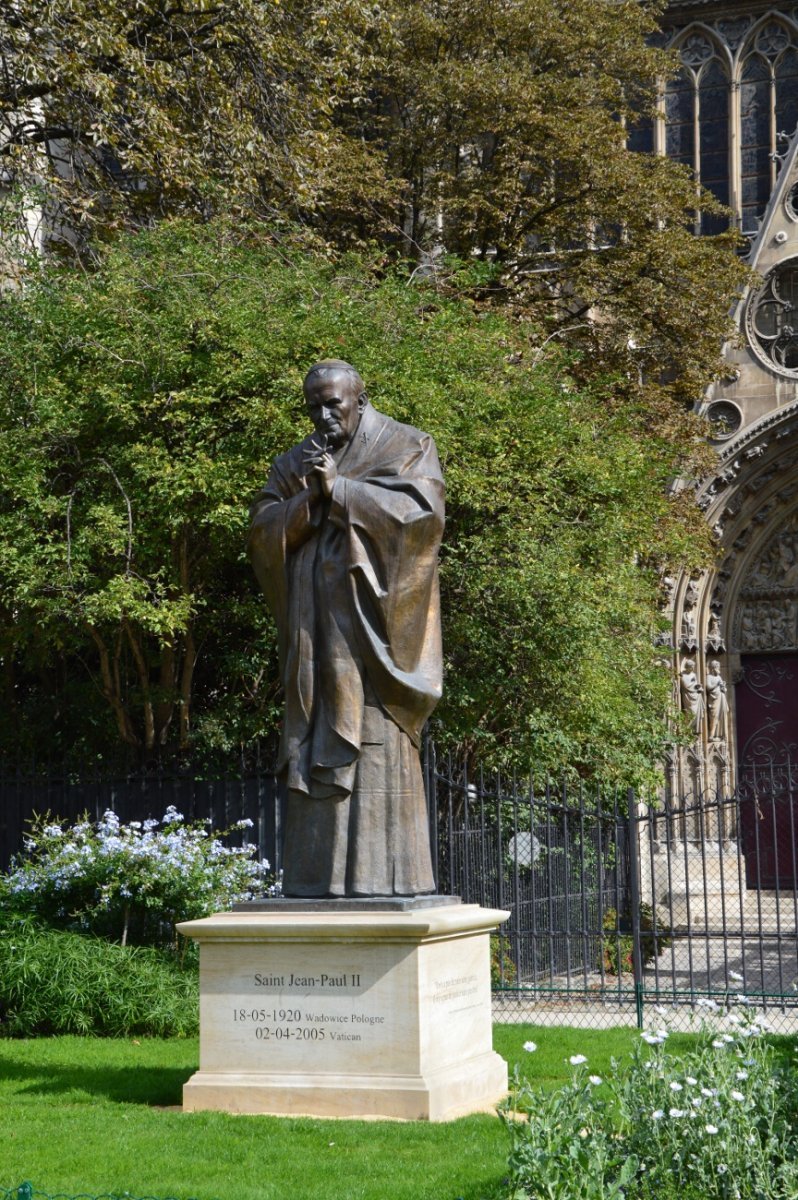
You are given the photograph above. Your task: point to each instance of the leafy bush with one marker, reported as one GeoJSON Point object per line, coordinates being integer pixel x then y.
{"type": "Point", "coordinates": [617, 947]}
{"type": "Point", "coordinates": [140, 406]}
{"type": "Point", "coordinates": [502, 967]}
{"type": "Point", "coordinates": [130, 882]}
{"type": "Point", "coordinates": [713, 1124]}
{"type": "Point", "coordinates": [54, 982]}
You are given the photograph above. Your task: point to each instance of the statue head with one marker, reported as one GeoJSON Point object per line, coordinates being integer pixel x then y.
{"type": "Point", "coordinates": [688, 666]}
{"type": "Point", "coordinates": [714, 667]}
{"type": "Point", "coordinates": [336, 397]}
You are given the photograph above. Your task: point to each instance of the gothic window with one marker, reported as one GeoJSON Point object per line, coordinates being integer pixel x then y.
{"type": "Point", "coordinates": [772, 319]}
{"type": "Point", "coordinates": [738, 87]}
{"type": "Point", "coordinates": [641, 136]}
{"type": "Point", "coordinates": [768, 108]}
{"type": "Point", "coordinates": [680, 119]}
{"type": "Point", "coordinates": [755, 140]}
{"type": "Point", "coordinates": [787, 92]}
{"type": "Point", "coordinates": [713, 117]}
{"type": "Point", "coordinates": [697, 121]}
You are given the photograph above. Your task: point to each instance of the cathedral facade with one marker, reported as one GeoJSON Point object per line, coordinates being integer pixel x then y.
{"type": "Point", "coordinates": [731, 114]}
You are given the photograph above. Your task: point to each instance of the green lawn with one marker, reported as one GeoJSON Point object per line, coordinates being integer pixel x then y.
{"type": "Point", "coordinates": [90, 1115]}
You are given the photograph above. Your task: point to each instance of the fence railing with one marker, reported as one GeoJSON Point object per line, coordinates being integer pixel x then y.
{"type": "Point", "coordinates": [613, 901]}
{"type": "Point", "coordinates": [253, 795]}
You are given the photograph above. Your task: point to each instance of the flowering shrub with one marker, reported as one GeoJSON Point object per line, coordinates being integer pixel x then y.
{"type": "Point", "coordinates": [712, 1124]}
{"type": "Point", "coordinates": [132, 882]}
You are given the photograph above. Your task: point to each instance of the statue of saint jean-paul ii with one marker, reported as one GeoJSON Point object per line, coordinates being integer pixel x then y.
{"type": "Point", "coordinates": [344, 542]}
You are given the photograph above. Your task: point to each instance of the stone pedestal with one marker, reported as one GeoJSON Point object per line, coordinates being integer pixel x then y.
{"type": "Point", "coordinates": [340, 1009]}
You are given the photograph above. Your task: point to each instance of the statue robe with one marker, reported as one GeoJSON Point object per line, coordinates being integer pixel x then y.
{"type": "Point", "coordinates": [352, 583]}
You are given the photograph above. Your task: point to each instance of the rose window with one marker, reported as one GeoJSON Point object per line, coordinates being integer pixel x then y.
{"type": "Point", "coordinates": [772, 319]}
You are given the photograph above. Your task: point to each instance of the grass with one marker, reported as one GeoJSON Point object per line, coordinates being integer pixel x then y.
{"type": "Point", "coordinates": [93, 1115]}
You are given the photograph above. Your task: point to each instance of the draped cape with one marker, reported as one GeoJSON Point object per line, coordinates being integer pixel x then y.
{"type": "Point", "coordinates": [352, 584]}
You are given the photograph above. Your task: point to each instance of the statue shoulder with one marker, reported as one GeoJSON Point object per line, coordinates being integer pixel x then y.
{"type": "Point", "coordinates": [408, 435]}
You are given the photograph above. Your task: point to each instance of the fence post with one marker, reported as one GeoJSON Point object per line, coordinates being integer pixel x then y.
{"type": "Point", "coordinates": [634, 889]}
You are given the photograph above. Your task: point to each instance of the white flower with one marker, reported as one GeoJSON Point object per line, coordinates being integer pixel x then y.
{"type": "Point", "coordinates": [737, 1096]}
{"type": "Point", "coordinates": [741, 1075]}
{"type": "Point", "coordinates": [689, 1079]}
{"type": "Point", "coordinates": [675, 1087]}
{"type": "Point", "coordinates": [719, 1044]}
{"type": "Point", "coordinates": [661, 1009]}
{"type": "Point", "coordinates": [696, 1101]}
{"type": "Point", "coordinates": [530, 1047]}
{"type": "Point", "coordinates": [595, 1080]}
{"type": "Point", "coordinates": [709, 1092]}
{"type": "Point", "coordinates": [722, 1168]}
{"type": "Point", "coordinates": [675, 1112]}
{"type": "Point", "coordinates": [657, 1115]}
{"type": "Point", "coordinates": [653, 1039]}
{"type": "Point", "coordinates": [736, 976]}
{"type": "Point", "coordinates": [727, 1038]}
{"type": "Point", "coordinates": [576, 1060]}
{"type": "Point", "coordinates": [711, 1128]}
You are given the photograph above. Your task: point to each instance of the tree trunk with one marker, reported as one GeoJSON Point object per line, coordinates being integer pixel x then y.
{"type": "Point", "coordinates": [111, 687]}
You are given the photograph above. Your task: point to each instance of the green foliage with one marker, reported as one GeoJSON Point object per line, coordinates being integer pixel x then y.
{"type": "Point", "coordinates": [502, 967]}
{"type": "Point", "coordinates": [617, 948]}
{"type": "Point", "coordinates": [55, 982]}
{"type": "Point", "coordinates": [492, 128]}
{"type": "Point", "coordinates": [130, 882]}
{"type": "Point", "coordinates": [714, 1123]}
{"type": "Point", "coordinates": [153, 109]}
{"type": "Point", "coordinates": [139, 409]}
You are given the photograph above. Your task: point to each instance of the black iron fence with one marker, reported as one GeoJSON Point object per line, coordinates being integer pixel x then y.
{"type": "Point", "coordinates": [252, 795]}
{"type": "Point", "coordinates": [615, 903]}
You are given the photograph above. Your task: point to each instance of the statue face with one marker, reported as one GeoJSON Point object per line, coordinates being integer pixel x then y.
{"type": "Point", "coordinates": [332, 401]}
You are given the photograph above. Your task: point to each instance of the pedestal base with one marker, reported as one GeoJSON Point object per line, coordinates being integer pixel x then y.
{"type": "Point", "coordinates": [347, 1014]}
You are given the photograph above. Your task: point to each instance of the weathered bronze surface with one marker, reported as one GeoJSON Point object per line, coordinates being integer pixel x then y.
{"type": "Point", "coordinates": [344, 542]}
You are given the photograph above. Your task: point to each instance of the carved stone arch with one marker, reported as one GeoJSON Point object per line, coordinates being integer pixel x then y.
{"type": "Point", "coordinates": [698, 30]}
{"type": "Point", "coordinates": [752, 503]}
{"type": "Point", "coordinates": [763, 603]}
{"type": "Point", "coordinates": [754, 39]}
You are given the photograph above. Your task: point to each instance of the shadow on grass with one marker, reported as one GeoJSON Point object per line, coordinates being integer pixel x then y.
{"type": "Point", "coordinates": [154, 1086]}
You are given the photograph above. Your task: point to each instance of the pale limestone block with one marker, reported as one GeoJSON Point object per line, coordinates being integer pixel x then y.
{"type": "Point", "coordinates": [343, 1014]}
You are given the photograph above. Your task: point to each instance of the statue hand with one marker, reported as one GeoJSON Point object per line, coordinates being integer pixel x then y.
{"type": "Point", "coordinates": [326, 472]}
{"type": "Point", "coordinates": [312, 462]}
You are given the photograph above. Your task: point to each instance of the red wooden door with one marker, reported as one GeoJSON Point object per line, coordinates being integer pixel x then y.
{"type": "Point", "coordinates": [767, 757]}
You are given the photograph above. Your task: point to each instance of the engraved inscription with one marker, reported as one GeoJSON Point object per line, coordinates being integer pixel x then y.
{"type": "Point", "coordinates": [305, 982]}
{"type": "Point", "coordinates": [289, 1020]}
{"type": "Point", "coordinates": [460, 987]}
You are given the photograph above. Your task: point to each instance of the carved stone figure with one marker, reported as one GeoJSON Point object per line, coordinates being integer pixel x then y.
{"type": "Point", "coordinates": [714, 635]}
{"type": "Point", "coordinates": [688, 628]}
{"type": "Point", "coordinates": [692, 693]}
{"type": "Point", "coordinates": [717, 702]}
{"type": "Point", "coordinates": [344, 542]}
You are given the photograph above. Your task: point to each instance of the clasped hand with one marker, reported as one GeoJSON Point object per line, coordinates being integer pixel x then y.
{"type": "Point", "coordinates": [320, 468]}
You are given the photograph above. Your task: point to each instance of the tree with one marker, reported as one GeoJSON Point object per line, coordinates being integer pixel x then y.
{"type": "Point", "coordinates": [493, 128]}
{"type": "Point", "coordinates": [491, 131]}
{"type": "Point", "coordinates": [140, 406]}
{"type": "Point", "coordinates": [112, 114]}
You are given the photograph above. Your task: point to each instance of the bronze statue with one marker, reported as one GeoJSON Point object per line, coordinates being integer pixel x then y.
{"type": "Point", "coordinates": [344, 542]}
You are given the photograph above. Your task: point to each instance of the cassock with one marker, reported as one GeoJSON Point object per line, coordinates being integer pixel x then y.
{"type": "Point", "coordinates": [352, 583]}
